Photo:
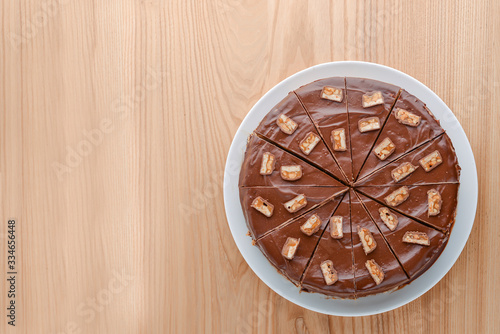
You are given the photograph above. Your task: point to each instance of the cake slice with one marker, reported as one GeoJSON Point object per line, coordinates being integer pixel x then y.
{"type": "Point", "coordinates": [326, 103]}
{"type": "Point", "coordinates": [330, 270]}
{"type": "Point", "coordinates": [415, 169]}
{"type": "Point", "coordinates": [290, 247]}
{"type": "Point", "coordinates": [409, 125]}
{"type": "Point", "coordinates": [416, 245]}
{"type": "Point", "coordinates": [369, 103]}
{"type": "Point", "coordinates": [434, 205]}
{"type": "Point", "coordinates": [288, 126]}
{"type": "Point", "coordinates": [266, 208]}
{"type": "Point", "coordinates": [268, 165]}
{"type": "Point", "coordinates": [376, 269]}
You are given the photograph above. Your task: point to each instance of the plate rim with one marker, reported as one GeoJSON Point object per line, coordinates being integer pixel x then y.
{"type": "Point", "coordinates": [459, 236]}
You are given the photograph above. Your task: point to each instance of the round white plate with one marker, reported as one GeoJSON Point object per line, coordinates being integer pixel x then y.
{"type": "Point", "coordinates": [369, 305]}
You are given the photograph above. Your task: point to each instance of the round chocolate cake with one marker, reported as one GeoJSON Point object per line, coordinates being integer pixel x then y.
{"type": "Point", "coordinates": [349, 187]}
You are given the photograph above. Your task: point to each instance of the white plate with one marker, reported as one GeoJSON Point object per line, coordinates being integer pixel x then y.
{"type": "Point", "coordinates": [369, 305]}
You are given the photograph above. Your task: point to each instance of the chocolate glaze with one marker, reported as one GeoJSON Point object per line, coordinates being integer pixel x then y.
{"type": "Point", "coordinates": [339, 251]}
{"type": "Point", "coordinates": [323, 192]}
{"type": "Point", "coordinates": [260, 224]}
{"type": "Point", "coordinates": [447, 172]}
{"type": "Point", "coordinates": [414, 258]}
{"type": "Point", "coordinates": [403, 136]}
{"type": "Point", "coordinates": [250, 170]}
{"type": "Point", "coordinates": [361, 143]}
{"type": "Point", "coordinates": [416, 205]}
{"type": "Point", "coordinates": [328, 115]}
{"type": "Point", "coordinates": [291, 107]}
{"type": "Point", "coordinates": [394, 273]}
{"type": "Point", "coordinates": [272, 244]}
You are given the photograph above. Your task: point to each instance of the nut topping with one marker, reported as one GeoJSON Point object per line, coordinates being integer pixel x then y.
{"type": "Point", "coordinates": [397, 196]}
{"type": "Point", "coordinates": [368, 124]}
{"type": "Point", "coordinates": [311, 226]}
{"type": "Point", "coordinates": [267, 165]}
{"type": "Point", "coordinates": [296, 203]}
{"type": "Point", "coordinates": [373, 99]}
{"type": "Point", "coordinates": [419, 238]}
{"type": "Point", "coordinates": [402, 171]}
{"type": "Point", "coordinates": [309, 143]}
{"type": "Point", "coordinates": [336, 230]}
{"type": "Point", "coordinates": [329, 273]}
{"type": "Point", "coordinates": [286, 124]}
{"type": "Point", "coordinates": [338, 140]}
{"type": "Point", "coordinates": [369, 243]}
{"type": "Point", "coordinates": [384, 149]}
{"type": "Point", "coordinates": [375, 271]}
{"type": "Point", "coordinates": [332, 93]}
{"type": "Point", "coordinates": [431, 161]}
{"type": "Point", "coordinates": [407, 118]}
{"type": "Point", "coordinates": [434, 201]}
{"type": "Point", "coordinates": [290, 247]}
{"type": "Point", "coordinates": [291, 173]}
{"type": "Point", "coordinates": [263, 206]}
{"type": "Point", "coordinates": [390, 220]}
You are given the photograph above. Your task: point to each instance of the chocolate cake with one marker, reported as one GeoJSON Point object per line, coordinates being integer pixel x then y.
{"type": "Point", "coordinates": [349, 187]}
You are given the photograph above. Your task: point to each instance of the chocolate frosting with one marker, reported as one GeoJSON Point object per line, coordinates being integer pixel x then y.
{"type": "Point", "coordinates": [395, 276]}
{"type": "Point", "coordinates": [272, 244]}
{"type": "Point", "coordinates": [328, 115]}
{"type": "Point", "coordinates": [339, 251]}
{"type": "Point", "coordinates": [260, 224]}
{"type": "Point", "coordinates": [447, 172]}
{"type": "Point", "coordinates": [250, 170]}
{"type": "Point", "coordinates": [405, 137]}
{"type": "Point", "coordinates": [414, 258]}
{"type": "Point", "coordinates": [416, 205]}
{"type": "Point", "coordinates": [360, 185]}
{"type": "Point", "coordinates": [361, 143]}
{"type": "Point", "coordinates": [291, 107]}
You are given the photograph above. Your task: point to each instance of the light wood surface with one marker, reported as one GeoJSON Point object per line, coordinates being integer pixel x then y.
{"type": "Point", "coordinates": [125, 232]}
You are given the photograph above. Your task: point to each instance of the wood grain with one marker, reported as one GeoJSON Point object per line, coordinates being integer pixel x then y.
{"type": "Point", "coordinates": [116, 118]}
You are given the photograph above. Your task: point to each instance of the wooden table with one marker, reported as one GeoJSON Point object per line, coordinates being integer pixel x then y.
{"type": "Point", "coordinates": [116, 119]}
